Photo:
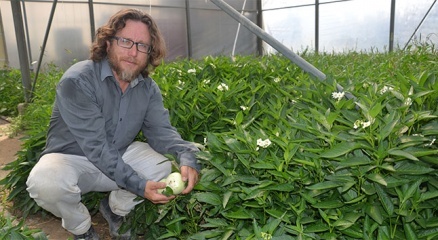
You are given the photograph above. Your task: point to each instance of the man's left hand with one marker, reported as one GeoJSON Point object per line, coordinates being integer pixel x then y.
{"type": "Point", "coordinates": [191, 175]}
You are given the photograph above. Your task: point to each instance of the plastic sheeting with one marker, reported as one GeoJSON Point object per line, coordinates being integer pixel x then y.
{"type": "Point", "coordinates": [212, 32]}
{"type": "Point", "coordinates": [350, 25]}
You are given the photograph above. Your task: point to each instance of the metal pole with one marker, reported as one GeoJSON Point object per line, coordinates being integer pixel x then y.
{"type": "Point", "coordinates": [43, 48]}
{"type": "Point", "coordinates": [391, 26]}
{"type": "Point", "coordinates": [419, 25]}
{"type": "Point", "coordinates": [260, 24]}
{"type": "Point", "coordinates": [303, 64]}
{"type": "Point", "coordinates": [27, 34]}
{"type": "Point", "coordinates": [22, 50]}
{"type": "Point", "coordinates": [189, 30]}
{"type": "Point", "coordinates": [316, 26]}
{"type": "Point", "coordinates": [92, 25]}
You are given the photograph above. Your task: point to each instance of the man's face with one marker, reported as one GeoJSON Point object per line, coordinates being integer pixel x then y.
{"type": "Point", "coordinates": [126, 63]}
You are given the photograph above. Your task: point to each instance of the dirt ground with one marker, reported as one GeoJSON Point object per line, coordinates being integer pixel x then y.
{"type": "Point", "coordinates": [50, 225]}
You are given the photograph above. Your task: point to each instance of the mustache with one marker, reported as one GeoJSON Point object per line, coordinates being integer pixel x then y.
{"type": "Point", "coordinates": [129, 59]}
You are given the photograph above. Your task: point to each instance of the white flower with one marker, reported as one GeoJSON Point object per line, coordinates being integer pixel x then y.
{"type": "Point", "coordinates": [366, 124]}
{"type": "Point", "coordinates": [277, 80]}
{"type": "Point", "coordinates": [357, 124]}
{"type": "Point", "coordinates": [408, 101]}
{"type": "Point", "coordinates": [181, 83]}
{"type": "Point", "coordinates": [431, 143]}
{"type": "Point", "coordinates": [266, 236]}
{"type": "Point", "coordinates": [243, 108]}
{"type": "Point", "coordinates": [206, 81]}
{"type": "Point", "coordinates": [360, 123]}
{"type": "Point", "coordinates": [192, 70]}
{"type": "Point", "coordinates": [385, 89]}
{"type": "Point", "coordinates": [263, 143]}
{"type": "Point", "coordinates": [222, 87]}
{"type": "Point", "coordinates": [338, 95]}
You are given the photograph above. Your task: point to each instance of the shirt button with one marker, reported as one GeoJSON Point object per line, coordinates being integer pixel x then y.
{"type": "Point", "coordinates": [120, 119]}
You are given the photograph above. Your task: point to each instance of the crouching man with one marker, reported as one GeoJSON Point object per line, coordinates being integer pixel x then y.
{"type": "Point", "coordinates": [101, 105]}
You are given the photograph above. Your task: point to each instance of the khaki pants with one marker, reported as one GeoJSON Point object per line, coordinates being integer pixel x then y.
{"type": "Point", "coordinates": [57, 182]}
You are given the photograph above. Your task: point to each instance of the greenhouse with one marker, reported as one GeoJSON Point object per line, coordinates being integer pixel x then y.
{"type": "Point", "coordinates": [305, 119]}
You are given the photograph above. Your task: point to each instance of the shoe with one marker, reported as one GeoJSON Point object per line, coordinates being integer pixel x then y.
{"type": "Point", "coordinates": [89, 235]}
{"type": "Point", "coordinates": [114, 221]}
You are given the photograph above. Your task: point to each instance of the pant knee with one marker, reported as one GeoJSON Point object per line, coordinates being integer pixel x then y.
{"type": "Point", "coordinates": [49, 186]}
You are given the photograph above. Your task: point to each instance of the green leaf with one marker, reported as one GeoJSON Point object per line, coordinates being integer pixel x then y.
{"type": "Point", "coordinates": [346, 221]}
{"type": "Point", "coordinates": [375, 110]}
{"type": "Point", "coordinates": [328, 204]}
{"type": "Point", "coordinates": [227, 196]}
{"type": "Point", "coordinates": [324, 185]}
{"type": "Point", "coordinates": [387, 129]}
{"type": "Point", "coordinates": [214, 223]}
{"type": "Point", "coordinates": [374, 212]}
{"type": "Point", "coordinates": [376, 177]}
{"type": "Point", "coordinates": [239, 214]}
{"type": "Point", "coordinates": [412, 169]}
{"type": "Point", "coordinates": [284, 187]}
{"type": "Point", "coordinates": [385, 199]}
{"type": "Point", "coordinates": [401, 153]}
{"type": "Point", "coordinates": [383, 233]}
{"type": "Point", "coordinates": [428, 195]}
{"type": "Point", "coordinates": [339, 149]}
{"type": "Point", "coordinates": [355, 161]}
{"type": "Point", "coordinates": [409, 232]}
{"type": "Point", "coordinates": [428, 233]}
{"type": "Point", "coordinates": [411, 190]}
{"type": "Point", "coordinates": [210, 198]}
{"type": "Point", "coordinates": [316, 228]}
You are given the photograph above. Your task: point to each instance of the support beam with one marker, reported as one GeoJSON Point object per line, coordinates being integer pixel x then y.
{"type": "Point", "coordinates": [391, 26]}
{"type": "Point", "coordinates": [303, 64]}
{"type": "Point", "coordinates": [43, 48]}
{"type": "Point", "coordinates": [22, 49]}
{"type": "Point", "coordinates": [92, 24]}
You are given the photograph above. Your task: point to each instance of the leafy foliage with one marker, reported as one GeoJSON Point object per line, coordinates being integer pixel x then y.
{"type": "Point", "coordinates": [11, 92]}
{"type": "Point", "coordinates": [18, 231]}
{"type": "Point", "coordinates": [287, 156]}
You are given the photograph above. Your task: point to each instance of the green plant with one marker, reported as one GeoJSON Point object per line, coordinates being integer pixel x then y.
{"type": "Point", "coordinates": [11, 92]}
{"type": "Point", "coordinates": [287, 156]}
{"type": "Point", "coordinates": [10, 228]}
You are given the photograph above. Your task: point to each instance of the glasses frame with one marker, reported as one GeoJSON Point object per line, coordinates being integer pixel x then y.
{"type": "Point", "coordinates": [132, 44]}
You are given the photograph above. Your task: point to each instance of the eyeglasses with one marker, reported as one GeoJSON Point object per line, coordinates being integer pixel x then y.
{"type": "Point", "coordinates": [126, 43]}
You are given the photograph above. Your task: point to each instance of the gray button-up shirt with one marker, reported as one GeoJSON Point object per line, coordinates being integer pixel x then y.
{"type": "Point", "coordinates": [93, 118]}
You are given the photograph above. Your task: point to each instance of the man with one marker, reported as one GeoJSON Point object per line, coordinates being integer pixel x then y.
{"type": "Point", "coordinates": [101, 105]}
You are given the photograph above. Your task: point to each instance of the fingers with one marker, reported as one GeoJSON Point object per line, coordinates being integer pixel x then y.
{"type": "Point", "coordinates": [150, 192]}
{"type": "Point", "coordinates": [190, 176]}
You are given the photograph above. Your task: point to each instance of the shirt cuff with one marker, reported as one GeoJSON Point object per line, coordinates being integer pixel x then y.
{"type": "Point", "coordinates": [189, 159]}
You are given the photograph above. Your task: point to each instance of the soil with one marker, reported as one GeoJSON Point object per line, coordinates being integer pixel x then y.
{"type": "Point", "coordinates": [50, 225]}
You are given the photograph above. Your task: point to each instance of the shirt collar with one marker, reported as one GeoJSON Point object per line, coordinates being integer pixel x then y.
{"type": "Point", "coordinates": [107, 72]}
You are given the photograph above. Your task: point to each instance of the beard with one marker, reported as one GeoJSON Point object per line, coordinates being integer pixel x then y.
{"type": "Point", "coordinates": [124, 74]}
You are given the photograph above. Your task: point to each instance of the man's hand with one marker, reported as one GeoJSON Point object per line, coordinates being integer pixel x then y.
{"type": "Point", "coordinates": [150, 192]}
{"type": "Point", "coordinates": [191, 175]}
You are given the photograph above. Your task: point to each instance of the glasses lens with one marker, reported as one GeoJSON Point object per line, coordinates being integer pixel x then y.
{"type": "Point", "coordinates": [126, 43]}
{"type": "Point", "coordinates": [143, 48]}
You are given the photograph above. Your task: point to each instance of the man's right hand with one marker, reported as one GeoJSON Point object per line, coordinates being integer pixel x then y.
{"type": "Point", "coordinates": [150, 192]}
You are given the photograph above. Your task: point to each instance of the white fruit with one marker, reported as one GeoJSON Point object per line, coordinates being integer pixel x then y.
{"type": "Point", "coordinates": [175, 182]}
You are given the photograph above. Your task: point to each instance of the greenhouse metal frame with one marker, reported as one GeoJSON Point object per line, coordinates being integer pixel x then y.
{"type": "Point", "coordinates": [207, 29]}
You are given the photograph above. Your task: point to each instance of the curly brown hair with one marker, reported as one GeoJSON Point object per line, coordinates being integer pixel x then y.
{"type": "Point", "coordinates": [117, 22]}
